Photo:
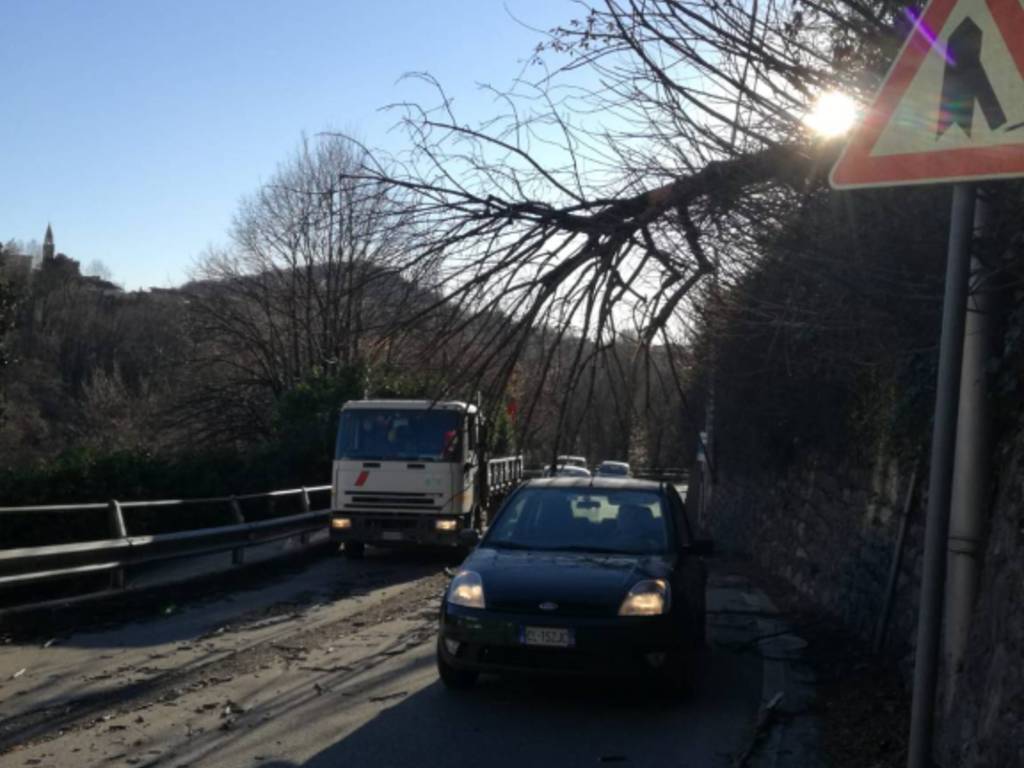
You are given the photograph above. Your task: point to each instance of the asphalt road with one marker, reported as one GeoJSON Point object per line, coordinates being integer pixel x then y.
{"type": "Point", "coordinates": [331, 664]}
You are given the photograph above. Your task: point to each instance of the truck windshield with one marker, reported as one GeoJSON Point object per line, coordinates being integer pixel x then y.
{"type": "Point", "coordinates": [399, 434]}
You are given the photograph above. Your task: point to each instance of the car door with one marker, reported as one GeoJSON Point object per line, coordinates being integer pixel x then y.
{"type": "Point", "coordinates": [692, 571]}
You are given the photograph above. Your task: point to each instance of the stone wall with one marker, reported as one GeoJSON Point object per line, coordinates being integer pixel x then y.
{"type": "Point", "coordinates": [984, 726]}
{"type": "Point", "coordinates": [830, 530]}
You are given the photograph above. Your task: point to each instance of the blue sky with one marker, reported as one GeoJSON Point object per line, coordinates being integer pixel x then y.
{"type": "Point", "coordinates": [136, 127]}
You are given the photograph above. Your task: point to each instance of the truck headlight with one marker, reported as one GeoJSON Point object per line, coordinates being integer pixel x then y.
{"type": "Point", "coordinates": [341, 523]}
{"type": "Point", "coordinates": [446, 525]}
{"type": "Point", "coordinates": [467, 590]}
{"type": "Point", "coordinates": [647, 598]}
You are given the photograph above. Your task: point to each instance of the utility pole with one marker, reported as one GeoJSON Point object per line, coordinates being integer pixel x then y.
{"type": "Point", "coordinates": [933, 577]}
{"type": "Point", "coordinates": [973, 464]}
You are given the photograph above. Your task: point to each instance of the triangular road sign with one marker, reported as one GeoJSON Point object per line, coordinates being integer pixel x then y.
{"type": "Point", "coordinates": [951, 107]}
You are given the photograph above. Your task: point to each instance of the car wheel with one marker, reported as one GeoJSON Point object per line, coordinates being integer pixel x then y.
{"type": "Point", "coordinates": [455, 679]}
{"type": "Point", "coordinates": [354, 550]}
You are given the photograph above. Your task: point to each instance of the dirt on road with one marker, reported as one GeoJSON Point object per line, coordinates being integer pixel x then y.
{"type": "Point", "coordinates": [332, 664]}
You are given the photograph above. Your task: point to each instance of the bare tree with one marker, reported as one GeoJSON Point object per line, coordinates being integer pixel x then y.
{"type": "Point", "coordinates": [309, 286]}
{"type": "Point", "coordinates": [666, 146]}
{"type": "Point", "coordinates": [98, 268]}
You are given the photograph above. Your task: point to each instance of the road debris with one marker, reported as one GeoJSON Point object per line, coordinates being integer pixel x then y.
{"type": "Point", "coordinates": [327, 670]}
{"type": "Point", "coordinates": [179, 691]}
{"type": "Point", "coordinates": [389, 696]}
{"type": "Point", "coordinates": [231, 708]}
{"type": "Point", "coordinates": [765, 718]}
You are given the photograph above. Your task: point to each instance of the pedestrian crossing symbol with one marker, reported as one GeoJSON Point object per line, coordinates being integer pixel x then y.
{"type": "Point", "coordinates": [951, 107]}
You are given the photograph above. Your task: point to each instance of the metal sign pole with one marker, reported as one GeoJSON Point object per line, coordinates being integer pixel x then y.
{"type": "Point", "coordinates": [929, 621]}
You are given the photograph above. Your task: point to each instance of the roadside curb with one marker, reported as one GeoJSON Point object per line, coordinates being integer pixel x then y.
{"type": "Point", "coordinates": [792, 737]}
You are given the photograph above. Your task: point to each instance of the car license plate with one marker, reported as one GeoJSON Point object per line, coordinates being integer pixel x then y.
{"type": "Point", "coordinates": [547, 637]}
{"type": "Point", "coordinates": [391, 535]}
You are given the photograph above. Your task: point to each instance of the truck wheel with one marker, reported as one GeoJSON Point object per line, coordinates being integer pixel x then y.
{"type": "Point", "coordinates": [354, 550]}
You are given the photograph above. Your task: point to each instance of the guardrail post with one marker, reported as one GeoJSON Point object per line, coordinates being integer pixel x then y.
{"type": "Point", "coordinates": [119, 531]}
{"type": "Point", "coordinates": [117, 526]}
{"type": "Point", "coordinates": [236, 510]}
{"type": "Point", "coordinates": [238, 553]}
{"type": "Point", "coordinates": [304, 536]}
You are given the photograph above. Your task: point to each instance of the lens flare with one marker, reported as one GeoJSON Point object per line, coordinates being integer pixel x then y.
{"type": "Point", "coordinates": [833, 115]}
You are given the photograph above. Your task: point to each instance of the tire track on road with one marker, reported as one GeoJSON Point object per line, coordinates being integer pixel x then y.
{"type": "Point", "coordinates": [50, 722]}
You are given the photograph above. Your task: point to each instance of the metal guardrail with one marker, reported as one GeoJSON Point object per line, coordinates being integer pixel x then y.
{"type": "Point", "coordinates": [120, 548]}
{"type": "Point", "coordinates": [505, 473]}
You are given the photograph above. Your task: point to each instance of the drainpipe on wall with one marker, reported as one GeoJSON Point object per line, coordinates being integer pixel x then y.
{"type": "Point", "coordinates": [940, 471]}
{"type": "Point", "coordinates": [972, 470]}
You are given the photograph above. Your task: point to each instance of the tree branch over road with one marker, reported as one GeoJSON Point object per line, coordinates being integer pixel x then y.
{"type": "Point", "coordinates": [667, 145]}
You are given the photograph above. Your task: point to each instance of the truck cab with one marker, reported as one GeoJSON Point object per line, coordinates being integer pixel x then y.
{"type": "Point", "coordinates": [407, 472]}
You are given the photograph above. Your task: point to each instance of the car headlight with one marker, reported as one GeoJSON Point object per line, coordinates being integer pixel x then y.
{"type": "Point", "coordinates": [647, 598]}
{"type": "Point", "coordinates": [467, 590]}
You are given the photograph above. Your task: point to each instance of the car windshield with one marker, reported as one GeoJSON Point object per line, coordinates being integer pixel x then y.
{"type": "Point", "coordinates": [613, 469]}
{"type": "Point", "coordinates": [582, 519]}
{"type": "Point", "coordinates": [574, 461]}
{"type": "Point", "coordinates": [398, 434]}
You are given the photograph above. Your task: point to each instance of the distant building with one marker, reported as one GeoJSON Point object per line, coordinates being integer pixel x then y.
{"type": "Point", "coordinates": [15, 267]}
{"type": "Point", "coordinates": [15, 261]}
{"type": "Point", "coordinates": [48, 249]}
{"type": "Point", "coordinates": [52, 270]}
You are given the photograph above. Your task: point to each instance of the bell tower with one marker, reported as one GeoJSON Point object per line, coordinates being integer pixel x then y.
{"type": "Point", "coordinates": [48, 244]}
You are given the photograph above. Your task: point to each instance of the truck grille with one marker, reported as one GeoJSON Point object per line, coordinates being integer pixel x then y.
{"type": "Point", "coordinates": [368, 501]}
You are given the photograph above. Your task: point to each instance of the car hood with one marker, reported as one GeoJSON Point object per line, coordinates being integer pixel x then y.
{"type": "Point", "coordinates": [578, 583]}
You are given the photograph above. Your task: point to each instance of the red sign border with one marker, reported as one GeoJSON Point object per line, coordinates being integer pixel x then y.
{"type": "Point", "coordinates": [856, 166]}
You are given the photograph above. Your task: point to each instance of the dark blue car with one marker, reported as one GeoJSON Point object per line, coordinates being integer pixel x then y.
{"type": "Point", "coordinates": [580, 575]}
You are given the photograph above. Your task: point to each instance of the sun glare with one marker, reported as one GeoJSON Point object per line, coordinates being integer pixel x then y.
{"type": "Point", "coordinates": [833, 115]}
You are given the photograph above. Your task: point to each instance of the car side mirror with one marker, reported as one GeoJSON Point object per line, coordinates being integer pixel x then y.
{"type": "Point", "coordinates": [701, 547]}
{"type": "Point", "coordinates": [468, 537]}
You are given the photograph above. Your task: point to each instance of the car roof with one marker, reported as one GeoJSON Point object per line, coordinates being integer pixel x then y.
{"type": "Point", "coordinates": [600, 483]}
{"type": "Point", "coordinates": [610, 463]}
{"type": "Point", "coordinates": [408, 405]}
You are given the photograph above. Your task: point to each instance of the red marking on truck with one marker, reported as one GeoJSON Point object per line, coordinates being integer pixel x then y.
{"type": "Point", "coordinates": [362, 478]}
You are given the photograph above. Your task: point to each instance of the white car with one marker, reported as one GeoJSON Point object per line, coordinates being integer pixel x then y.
{"type": "Point", "coordinates": [567, 470]}
{"type": "Point", "coordinates": [572, 461]}
{"type": "Point", "coordinates": [613, 469]}
{"type": "Point", "coordinates": [571, 470]}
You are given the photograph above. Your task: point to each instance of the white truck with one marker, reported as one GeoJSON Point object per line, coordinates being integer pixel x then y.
{"type": "Point", "coordinates": [413, 472]}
